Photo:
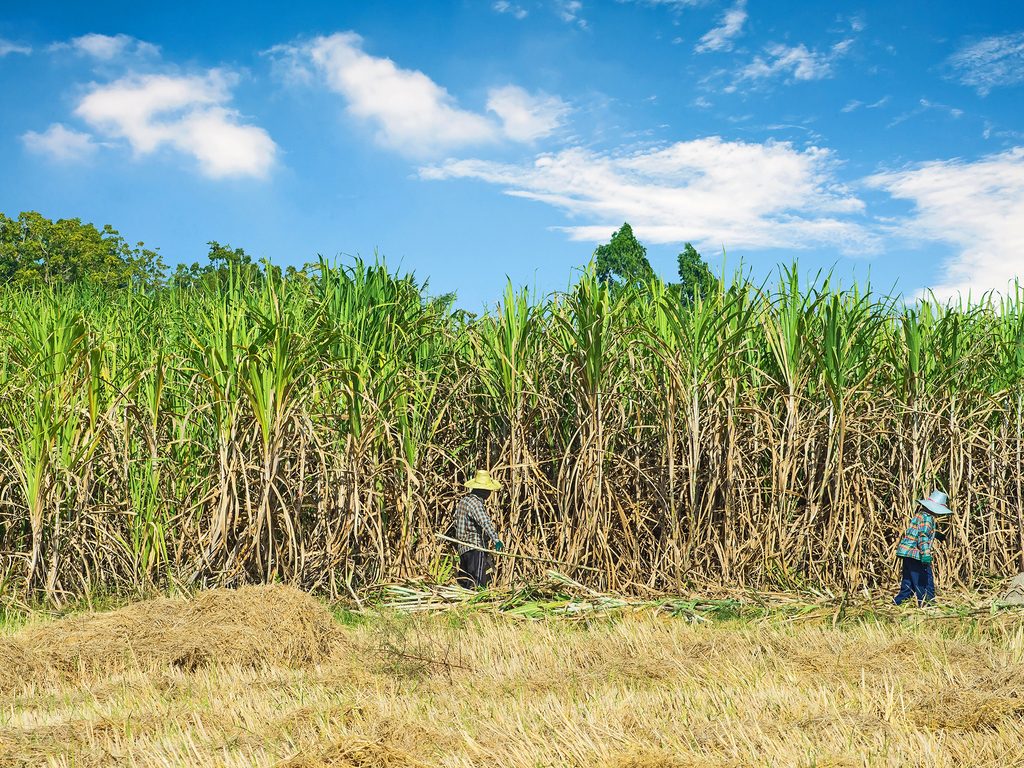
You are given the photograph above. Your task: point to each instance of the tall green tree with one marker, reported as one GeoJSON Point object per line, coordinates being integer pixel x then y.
{"type": "Point", "coordinates": [695, 278]}
{"type": "Point", "coordinates": [623, 261]}
{"type": "Point", "coordinates": [223, 261]}
{"type": "Point", "coordinates": [37, 251]}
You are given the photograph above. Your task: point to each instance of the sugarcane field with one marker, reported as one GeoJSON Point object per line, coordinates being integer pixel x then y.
{"type": "Point", "coordinates": [571, 384]}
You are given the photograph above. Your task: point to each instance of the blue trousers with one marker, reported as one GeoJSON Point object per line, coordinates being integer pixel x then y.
{"type": "Point", "coordinates": [917, 582]}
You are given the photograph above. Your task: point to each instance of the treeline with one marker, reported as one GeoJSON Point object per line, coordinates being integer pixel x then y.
{"type": "Point", "coordinates": [36, 252]}
{"type": "Point", "coordinates": [39, 252]}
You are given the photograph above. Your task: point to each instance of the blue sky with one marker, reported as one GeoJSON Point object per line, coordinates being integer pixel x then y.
{"type": "Point", "coordinates": [469, 141]}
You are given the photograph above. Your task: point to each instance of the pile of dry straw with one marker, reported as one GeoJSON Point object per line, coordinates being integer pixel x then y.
{"type": "Point", "coordinates": [253, 626]}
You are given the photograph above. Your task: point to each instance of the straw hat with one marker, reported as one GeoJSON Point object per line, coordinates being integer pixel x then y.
{"type": "Point", "coordinates": [483, 481]}
{"type": "Point", "coordinates": [936, 503]}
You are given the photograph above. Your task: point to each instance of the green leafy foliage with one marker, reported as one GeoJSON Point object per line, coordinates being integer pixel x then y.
{"type": "Point", "coordinates": [695, 278]}
{"type": "Point", "coordinates": [35, 251]}
{"type": "Point", "coordinates": [623, 261]}
{"type": "Point", "coordinates": [224, 264]}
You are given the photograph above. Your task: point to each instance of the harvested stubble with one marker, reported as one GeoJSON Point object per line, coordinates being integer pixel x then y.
{"type": "Point", "coordinates": [256, 626]}
{"type": "Point", "coordinates": [642, 690]}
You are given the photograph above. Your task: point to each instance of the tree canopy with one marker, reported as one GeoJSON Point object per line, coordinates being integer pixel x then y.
{"type": "Point", "coordinates": [37, 251]}
{"type": "Point", "coordinates": [695, 278]}
{"type": "Point", "coordinates": [623, 262]}
{"type": "Point", "coordinates": [222, 262]}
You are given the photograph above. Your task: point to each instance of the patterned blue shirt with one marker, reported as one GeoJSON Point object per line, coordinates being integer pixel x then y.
{"type": "Point", "coordinates": [917, 541]}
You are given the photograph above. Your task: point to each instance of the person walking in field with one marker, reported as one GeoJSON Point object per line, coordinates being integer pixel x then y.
{"type": "Point", "coordinates": [472, 525]}
{"type": "Point", "coordinates": [917, 546]}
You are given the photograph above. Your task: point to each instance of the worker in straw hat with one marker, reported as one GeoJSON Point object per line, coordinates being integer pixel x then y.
{"type": "Point", "coordinates": [472, 524]}
{"type": "Point", "coordinates": [916, 548]}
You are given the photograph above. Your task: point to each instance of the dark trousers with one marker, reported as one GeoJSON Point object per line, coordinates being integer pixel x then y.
{"type": "Point", "coordinates": [474, 569]}
{"type": "Point", "coordinates": [917, 582]}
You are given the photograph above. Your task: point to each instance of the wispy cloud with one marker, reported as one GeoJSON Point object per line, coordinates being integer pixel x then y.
{"type": "Point", "coordinates": [976, 207]}
{"type": "Point", "coordinates": [570, 11]}
{"type": "Point", "coordinates": [991, 62]}
{"type": "Point", "coordinates": [707, 191]}
{"type": "Point", "coordinates": [513, 9]}
{"type": "Point", "coordinates": [794, 63]}
{"type": "Point", "coordinates": [525, 116]}
{"type": "Point", "coordinates": [1007, 134]}
{"type": "Point", "coordinates": [854, 104]}
{"type": "Point", "coordinates": [188, 114]}
{"type": "Point", "coordinates": [290, 64]}
{"type": "Point", "coordinates": [676, 5]}
{"type": "Point", "coordinates": [925, 105]}
{"type": "Point", "coordinates": [721, 38]}
{"type": "Point", "coordinates": [108, 47]}
{"type": "Point", "coordinates": [8, 47]}
{"type": "Point", "coordinates": [58, 142]}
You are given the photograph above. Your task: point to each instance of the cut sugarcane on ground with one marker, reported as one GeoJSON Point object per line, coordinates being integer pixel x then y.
{"type": "Point", "coordinates": [553, 675]}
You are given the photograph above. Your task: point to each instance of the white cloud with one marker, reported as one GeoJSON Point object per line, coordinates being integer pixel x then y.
{"type": "Point", "coordinates": [796, 62]}
{"type": "Point", "coordinates": [526, 117]}
{"type": "Point", "coordinates": [854, 104]}
{"type": "Point", "coordinates": [185, 113]}
{"type": "Point", "coordinates": [977, 207]}
{"type": "Point", "coordinates": [109, 47]}
{"type": "Point", "coordinates": [60, 143]}
{"type": "Point", "coordinates": [993, 131]}
{"type": "Point", "coordinates": [924, 105]}
{"type": "Point", "coordinates": [504, 6]}
{"type": "Point", "coordinates": [720, 38]}
{"type": "Point", "coordinates": [708, 191]}
{"type": "Point", "coordinates": [569, 12]}
{"type": "Point", "coordinates": [676, 5]}
{"type": "Point", "coordinates": [991, 62]}
{"type": "Point", "coordinates": [8, 47]}
{"type": "Point", "coordinates": [411, 112]}
{"type": "Point", "coordinates": [290, 64]}
{"type": "Point", "coordinates": [954, 112]}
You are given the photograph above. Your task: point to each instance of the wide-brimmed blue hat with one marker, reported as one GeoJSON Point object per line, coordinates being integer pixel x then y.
{"type": "Point", "coordinates": [936, 503]}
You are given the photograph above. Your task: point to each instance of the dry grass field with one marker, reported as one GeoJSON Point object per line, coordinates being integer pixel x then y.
{"type": "Point", "coordinates": [266, 676]}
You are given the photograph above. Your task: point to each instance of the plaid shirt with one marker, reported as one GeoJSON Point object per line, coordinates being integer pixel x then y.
{"type": "Point", "coordinates": [472, 522]}
{"type": "Point", "coordinates": [917, 541]}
